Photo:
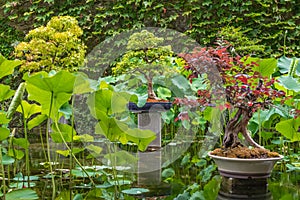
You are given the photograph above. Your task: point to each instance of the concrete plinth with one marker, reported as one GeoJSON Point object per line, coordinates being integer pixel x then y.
{"type": "Point", "coordinates": [151, 121]}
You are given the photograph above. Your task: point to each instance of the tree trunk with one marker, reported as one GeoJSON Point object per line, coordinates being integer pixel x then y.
{"type": "Point", "coordinates": [151, 94]}
{"type": "Point", "coordinates": [238, 125]}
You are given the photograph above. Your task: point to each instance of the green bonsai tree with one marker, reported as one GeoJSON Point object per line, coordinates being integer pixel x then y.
{"type": "Point", "coordinates": [146, 56]}
{"type": "Point", "coordinates": [52, 47]}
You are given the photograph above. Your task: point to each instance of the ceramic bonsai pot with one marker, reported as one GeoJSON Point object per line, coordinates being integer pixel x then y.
{"type": "Point", "coordinates": [245, 168]}
{"type": "Point", "coordinates": [150, 107]}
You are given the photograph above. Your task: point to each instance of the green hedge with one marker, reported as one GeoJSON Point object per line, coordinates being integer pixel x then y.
{"type": "Point", "coordinates": [274, 23]}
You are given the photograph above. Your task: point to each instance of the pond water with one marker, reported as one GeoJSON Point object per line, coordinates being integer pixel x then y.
{"type": "Point", "coordinates": [159, 174]}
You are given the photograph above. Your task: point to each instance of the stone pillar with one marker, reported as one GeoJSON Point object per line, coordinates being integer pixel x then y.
{"type": "Point", "coordinates": [149, 168]}
{"type": "Point", "coordinates": [233, 188]}
{"type": "Point", "coordinates": [151, 121]}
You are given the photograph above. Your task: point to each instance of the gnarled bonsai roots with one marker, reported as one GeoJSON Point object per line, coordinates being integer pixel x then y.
{"type": "Point", "coordinates": [238, 125]}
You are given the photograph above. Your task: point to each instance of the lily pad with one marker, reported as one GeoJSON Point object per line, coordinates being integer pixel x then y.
{"type": "Point", "coordinates": [135, 191]}
{"type": "Point", "coordinates": [22, 194]}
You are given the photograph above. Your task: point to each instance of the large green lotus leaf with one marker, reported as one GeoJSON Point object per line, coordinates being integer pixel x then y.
{"type": "Point", "coordinates": [180, 86]}
{"type": "Point", "coordinates": [95, 150]}
{"type": "Point", "coordinates": [141, 137]}
{"type": "Point", "coordinates": [3, 118]}
{"type": "Point", "coordinates": [289, 128]}
{"type": "Point", "coordinates": [121, 158]}
{"type": "Point", "coordinates": [266, 67]}
{"type": "Point", "coordinates": [7, 66]}
{"type": "Point", "coordinates": [46, 89]}
{"type": "Point", "coordinates": [100, 101]}
{"type": "Point", "coordinates": [62, 81]}
{"type": "Point", "coordinates": [44, 98]}
{"type": "Point", "coordinates": [36, 121]}
{"type": "Point", "coordinates": [112, 129]}
{"type": "Point", "coordinates": [21, 142]}
{"type": "Point", "coordinates": [83, 84]}
{"type": "Point", "coordinates": [83, 138]}
{"type": "Point", "coordinates": [22, 194]}
{"type": "Point", "coordinates": [119, 101]}
{"type": "Point", "coordinates": [289, 65]}
{"type": "Point", "coordinates": [28, 109]}
{"type": "Point", "coordinates": [5, 92]}
{"type": "Point", "coordinates": [18, 154]}
{"type": "Point", "coordinates": [4, 133]}
{"type": "Point", "coordinates": [63, 130]}
{"type": "Point", "coordinates": [163, 93]}
{"type": "Point", "coordinates": [289, 83]}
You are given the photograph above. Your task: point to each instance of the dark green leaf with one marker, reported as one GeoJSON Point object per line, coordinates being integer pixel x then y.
{"type": "Point", "coordinates": [22, 194]}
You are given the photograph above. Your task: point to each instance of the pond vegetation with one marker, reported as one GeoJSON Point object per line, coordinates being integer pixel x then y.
{"type": "Point", "coordinates": [45, 154]}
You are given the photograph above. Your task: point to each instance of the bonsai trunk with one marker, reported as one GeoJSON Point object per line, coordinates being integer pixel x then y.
{"type": "Point", "coordinates": [151, 94]}
{"type": "Point", "coordinates": [238, 125]}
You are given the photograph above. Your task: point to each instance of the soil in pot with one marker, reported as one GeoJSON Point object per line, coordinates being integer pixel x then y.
{"type": "Point", "coordinates": [156, 100]}
{"type": "Point", "coordinates": [244, 152]}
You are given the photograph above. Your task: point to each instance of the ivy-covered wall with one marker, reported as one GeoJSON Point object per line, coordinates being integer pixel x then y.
{"type": "Point", "coordinates": [272, 23]}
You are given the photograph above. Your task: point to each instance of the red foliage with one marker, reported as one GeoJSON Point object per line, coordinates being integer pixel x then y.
{"type": "Point", "coordinates": [244, 87]}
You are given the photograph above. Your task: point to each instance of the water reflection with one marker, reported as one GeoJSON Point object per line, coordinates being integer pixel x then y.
{"type": "Point", "coordinates": [254, 189]}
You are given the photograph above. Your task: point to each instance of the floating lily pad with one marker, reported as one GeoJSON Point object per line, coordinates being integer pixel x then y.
{"type": "Point", "coordinates": [120, 182]}
{"type": "Point", "coordinates": [135, 191]}
{"type": "Point", "coordinates": [7, 160]}
{"type": "Point", "coordinates": [21, 185]}
{"type": "Point", "coordinates": [25, 194]}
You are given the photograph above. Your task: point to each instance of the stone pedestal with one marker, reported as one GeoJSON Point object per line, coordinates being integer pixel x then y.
{"type": "Point", "coordinates": [149, 168]}
{"type": "Point", "coordinates": [149, 163]}
{"type": "Point", "coordinates": [254, 189]}
{"type": "Point", "coordinates": [151, 121]}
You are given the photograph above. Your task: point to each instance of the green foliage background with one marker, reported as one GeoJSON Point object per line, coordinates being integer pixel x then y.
{"type": "Point", "coordinates": [267, 20]}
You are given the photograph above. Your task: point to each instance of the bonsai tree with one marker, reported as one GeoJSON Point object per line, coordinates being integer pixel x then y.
{"type": "Point", "coordinates": [246, 89]}
{"type": "Point", "coordinates": [146, 56]}
{"type": "Point", "coordinates": [55, 46]}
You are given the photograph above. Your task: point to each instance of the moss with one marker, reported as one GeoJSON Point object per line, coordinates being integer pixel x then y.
{"type": "Point", "coordinates": [244, 152]}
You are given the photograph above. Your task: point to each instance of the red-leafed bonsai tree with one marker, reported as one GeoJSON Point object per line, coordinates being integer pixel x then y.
{"type": "Point", "coordinates": [245, 89]}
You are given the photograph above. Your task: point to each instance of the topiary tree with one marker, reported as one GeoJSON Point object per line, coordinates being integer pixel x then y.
{"type": "Point", "coordinates": [146, 56]}
{"type": "Point", "coordinates": [55, 46]}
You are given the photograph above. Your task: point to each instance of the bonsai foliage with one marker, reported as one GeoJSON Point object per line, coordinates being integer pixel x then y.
{"type": "Point", "coordinates": [52, 47]}
{"type": "Point", "coordinates": [145, 56]}
{"type": "Point", "coordinates": [246, 90]}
